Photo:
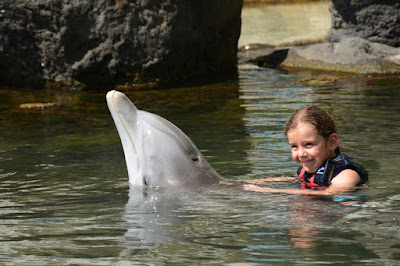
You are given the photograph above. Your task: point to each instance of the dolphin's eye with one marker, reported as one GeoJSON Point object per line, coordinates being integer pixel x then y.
{"type": "Point", "coordinates": [145, 180]}
{"type": "Point", "coordinates": [195, 159]}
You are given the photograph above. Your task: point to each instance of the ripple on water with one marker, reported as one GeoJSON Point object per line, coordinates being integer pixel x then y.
{"type": "Point", "coordinates": [65, 200]}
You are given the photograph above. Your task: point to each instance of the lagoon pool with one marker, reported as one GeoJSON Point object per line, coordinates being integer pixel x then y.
{"type": "Point", "coordinates": [64, 188]}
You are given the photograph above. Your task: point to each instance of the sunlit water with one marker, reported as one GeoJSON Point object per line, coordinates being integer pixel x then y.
{"type": "Point", "coordinates": [65, 197]}
{"type": "Point", "coordinates": [280, 23]}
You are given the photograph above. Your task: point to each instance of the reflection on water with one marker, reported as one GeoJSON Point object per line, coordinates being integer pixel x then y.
{"type": "Point", "coordinates": [276, 24]}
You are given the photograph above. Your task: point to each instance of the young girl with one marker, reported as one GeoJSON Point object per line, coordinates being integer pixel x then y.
{"type": "Point", "coordinates": [314, 143]}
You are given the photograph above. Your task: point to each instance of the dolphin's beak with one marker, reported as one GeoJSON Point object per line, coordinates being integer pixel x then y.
{"type": "Point", "coordinates": [121, 107]}
{"type": "Point", "coordinates": [113, 97]}
{"type": "Point", "coordinates": [110, 96]}
{"type": "Point", "coordinates": [124, 114]}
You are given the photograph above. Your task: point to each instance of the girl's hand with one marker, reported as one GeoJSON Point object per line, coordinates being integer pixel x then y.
{"type": "Point", "coordinates": [259, 189]}
{"type": "Point", "coordinates": [270, 179]}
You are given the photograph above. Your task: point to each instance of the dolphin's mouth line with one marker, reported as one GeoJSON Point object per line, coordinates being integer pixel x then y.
{"type": "Point", "coordinates": [119, 116]}
{"type": "Point", "coordinates": [122, 120]}
{"type": "Point", "coordinates": [126, 129]}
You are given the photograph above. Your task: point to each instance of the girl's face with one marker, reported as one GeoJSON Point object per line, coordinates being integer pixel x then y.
{"type": "Point", "coordinates": [309, 149]}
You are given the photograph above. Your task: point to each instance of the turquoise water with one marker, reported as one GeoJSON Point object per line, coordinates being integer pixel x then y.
{"type": "Point", "coordinates": [64, 187]}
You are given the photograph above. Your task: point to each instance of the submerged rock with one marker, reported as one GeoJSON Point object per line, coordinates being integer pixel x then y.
{"type": "Point", "coordinates": [106, 42]}
{"type": "Point", "coordinates": [38, 105]}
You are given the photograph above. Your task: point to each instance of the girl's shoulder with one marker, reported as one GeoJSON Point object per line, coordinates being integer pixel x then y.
{"type": "Point", "coordinates": [342, 162]}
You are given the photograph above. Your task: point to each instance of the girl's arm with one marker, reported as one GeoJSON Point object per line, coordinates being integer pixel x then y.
{"type": "Point", "coordinates": [270, 179]}
{"type": "Point", "coordinates": [345, 181]}
{"type": "Point", "coordinates": [286, 191]}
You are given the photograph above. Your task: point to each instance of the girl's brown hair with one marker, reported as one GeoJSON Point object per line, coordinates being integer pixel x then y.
{"type": "Point", "coordinates": [314, 115]}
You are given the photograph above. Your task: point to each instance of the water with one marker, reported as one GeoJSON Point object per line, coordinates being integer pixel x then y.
{"type": "Point", "coordinates": [274, 24]}
{"type": "Point", "coordinates": [65, 197]}
{"type": "Point", "coordinates": [64, 186]}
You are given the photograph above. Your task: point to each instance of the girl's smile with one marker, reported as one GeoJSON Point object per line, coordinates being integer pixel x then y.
{"type": "Point", "coordinates": [309, 149]}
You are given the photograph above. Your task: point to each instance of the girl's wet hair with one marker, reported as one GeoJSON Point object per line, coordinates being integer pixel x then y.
{"type": "Point", "coordinates": [314, 115]}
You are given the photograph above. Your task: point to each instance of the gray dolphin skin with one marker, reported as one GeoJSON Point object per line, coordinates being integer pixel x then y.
{"type": "Point", "coordinates": [157, 153]}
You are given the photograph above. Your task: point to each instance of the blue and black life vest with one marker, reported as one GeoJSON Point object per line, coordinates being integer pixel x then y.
{"type": "Point", "coordinates": [321, 179]}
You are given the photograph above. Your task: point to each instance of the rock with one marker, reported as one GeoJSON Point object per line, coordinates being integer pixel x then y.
{"type": "Point", "coordinates": [363, 39]}
{"type": "Point", "coordinates": [320, 81]}
{"type": "Point", "coordinates": [374, 20]}
{"type": "Point", "coordinates": [250, 52]}
{"type": "Point", "coordinates": [351, 55]}
{"type": "Point", "coordinates": [108, 42]}
{"type": "Point", "coordinates": [271, 60]}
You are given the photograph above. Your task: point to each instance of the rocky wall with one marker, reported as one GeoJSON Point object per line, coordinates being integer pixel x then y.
{"type": "Point", "coordinates": [102, 43]}
{"type": "Point", "coordinates": [373, 20]}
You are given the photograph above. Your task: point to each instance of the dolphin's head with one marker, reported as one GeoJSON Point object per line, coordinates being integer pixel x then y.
{"type": "Point", "coordinates": [157, 153]}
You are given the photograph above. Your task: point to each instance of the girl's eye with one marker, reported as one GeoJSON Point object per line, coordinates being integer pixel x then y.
{"type": "Point", "coordinates": [293, 147]}
{"type": "Point", "coordinates": [309, 145]}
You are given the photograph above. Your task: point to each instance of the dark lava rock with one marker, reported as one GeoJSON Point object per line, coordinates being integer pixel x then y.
{"type": "Point", "coordinates": [107, 42]}
{"type": "Point", "coordinates": [373, 20]}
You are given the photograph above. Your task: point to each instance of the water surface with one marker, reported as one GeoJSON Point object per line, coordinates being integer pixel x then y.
{"type": "Point", "coordinates": [64, 187]}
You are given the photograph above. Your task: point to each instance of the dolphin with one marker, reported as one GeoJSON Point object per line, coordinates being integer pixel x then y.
{"type": "Point", "coordinates": [157, 153]}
